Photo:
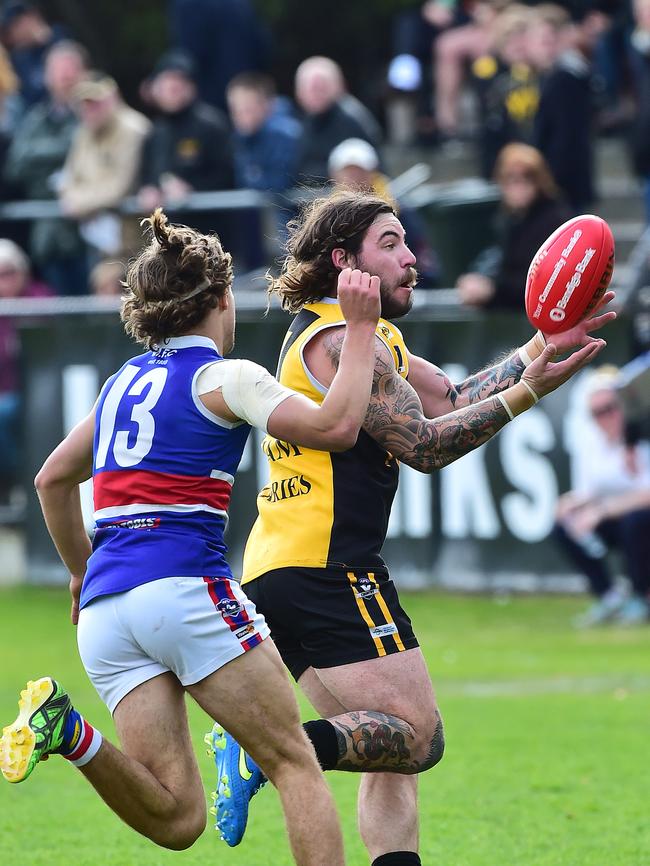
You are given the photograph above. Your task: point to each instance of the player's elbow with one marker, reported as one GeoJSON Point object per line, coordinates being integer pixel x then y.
{"type": "Point", "coordinates": [47, 477]}
{"type": "Point", "coordinates": [343, 436]}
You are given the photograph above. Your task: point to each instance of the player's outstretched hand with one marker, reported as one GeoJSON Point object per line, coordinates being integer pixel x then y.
{"type": "Point", "coordinates": [358, 295]}
{"type": "Point", "coordinates": [544, 376]}
{"type": "Point", "coordinates": [579, 335]}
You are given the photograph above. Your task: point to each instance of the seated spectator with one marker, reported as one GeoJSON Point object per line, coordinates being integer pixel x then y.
{"type": "Point", "coordinates": [265, 141]}
{"type": "Point", "coordinates": [11, 110]}
{"type": "Point", "coordinates": [330, 116]}
{"type": "Point", "coordinates": [28, 38]}
{"type": "Point", "coordinates": [354, 164]}
{"type": "Point", "coordinates": [15, 282]}
{"type": "Point", "coordinates": [454, 51]}
{"type": "Point", "coordinates": [34, 162]}
{"type": "Point", "coordinates": [506, 86]}
{"type": "Point", "coordinates": [409, 110]}
{"type": "Point", "coordinates": [530, 211]}
{"type": "Point", "coordinates": [106, 278]}
{"type": "Point", "coordinates": [188, 147]}
{"type": "Point", "coordinates": [103, 164]}
{"type": "Point", "coordinates": [608, 507]}
{"type": "Point", "coordinates": [564, 123]}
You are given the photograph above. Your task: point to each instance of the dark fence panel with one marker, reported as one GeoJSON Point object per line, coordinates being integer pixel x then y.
{"type": "Point", "coordinates": [479, 522]}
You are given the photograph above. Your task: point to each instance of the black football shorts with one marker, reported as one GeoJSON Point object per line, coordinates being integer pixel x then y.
{"type": "Point", "coordinates": [324, 617]}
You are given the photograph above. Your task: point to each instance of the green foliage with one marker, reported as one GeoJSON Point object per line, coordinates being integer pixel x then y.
{"type": "Point", "coordinates": [545, 764]}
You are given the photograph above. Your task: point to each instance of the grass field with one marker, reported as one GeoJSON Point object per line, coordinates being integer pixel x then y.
{"type": "Point", "coordinates": [546, 762]}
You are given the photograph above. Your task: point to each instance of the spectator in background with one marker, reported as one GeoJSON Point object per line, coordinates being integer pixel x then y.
{"type": "Point", "coordinates": [454, 51]}
{"type": "Point", "coordinates": [330, 116]}
{"type": "Point", "coordinates": [265, 141]}
{"type": "Point", "coordinates": [103, 165]}
{"type": "Point", "coordinates": [34, 162]}
{"type": "Point", "coordinates": [15, 282]}
{"type": "Point", "coordinates": [265, 148]}
{"type": "Point", "coordinates": [530, 210]}
{"type": "Point", "coordinates": [354, 164]}
{"type": "Point", "coordinates": [106, 279]}
{"type": "Point", "coordinates": [565, 119]}
{"type": "Point", "coordinates": [11, 109]}
{"type": "Point", "coordinates": [548, 24]}
{"type": "Point", "coordinates": [409, 110]}
{"type": "Point", "coordinates": [223, 38]}
{"type": "Point", "coordinates": [608, 507]}
{"type": "Point", "coordinates": [506, 85]}
{"type": "Point", "coordinates": [640, 137]}
{"type": "Point", "coordinates": [188, 148]}
{"type": "Point", "coordinates": [28, 38]}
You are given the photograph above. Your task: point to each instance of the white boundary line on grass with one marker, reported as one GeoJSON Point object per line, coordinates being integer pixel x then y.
{"type": "Point", "coordinates": [618, 685]}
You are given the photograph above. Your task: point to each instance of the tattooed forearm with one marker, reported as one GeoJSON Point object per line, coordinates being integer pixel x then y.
{"type": "Point", "coordinates": [375, 742]}
{"type": "Point", "coordinates": [395, 419]}
{"type": "Point", "coordinates": [487, 382]}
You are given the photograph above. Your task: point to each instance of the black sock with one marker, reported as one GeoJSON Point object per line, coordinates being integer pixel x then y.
{"type": "Point", "coordinates": [325, 742]}
{"type": "Point", "coordinates": [398, 858]}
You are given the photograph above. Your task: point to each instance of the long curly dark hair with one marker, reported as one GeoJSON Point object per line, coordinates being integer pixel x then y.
{"type": "Point", "coordinates": [337, 220]}
{"type": "Point", "coordinates": [174, 282]}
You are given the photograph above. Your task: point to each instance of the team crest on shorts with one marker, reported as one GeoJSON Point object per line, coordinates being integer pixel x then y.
{"type": "Point", "coordinates": [228, 606]}
{"type": "Point", "coordinates": [365, 588]}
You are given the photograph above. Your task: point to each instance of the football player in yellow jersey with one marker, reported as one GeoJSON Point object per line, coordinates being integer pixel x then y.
{"type": "Point", "coordinates": [313, 561]}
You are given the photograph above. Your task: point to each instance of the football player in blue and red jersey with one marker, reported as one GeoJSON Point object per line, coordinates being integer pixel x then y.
{"type": "Point", "coordinates": [157, 609]}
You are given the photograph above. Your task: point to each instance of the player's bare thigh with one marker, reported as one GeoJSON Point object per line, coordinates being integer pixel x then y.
{"type": "Point", "coordinates": [251, 696]}
{"type": "Point", "coordinates": [398, 684]}
{"type": "Point", "coordinates": [151, 723]}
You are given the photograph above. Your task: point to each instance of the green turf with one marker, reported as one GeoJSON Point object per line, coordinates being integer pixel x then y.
{"type": "Point", "coordinates": [546, 763]}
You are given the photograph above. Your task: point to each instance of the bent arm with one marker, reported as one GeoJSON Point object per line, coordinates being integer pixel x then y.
{"type": "Point", "coordinates": [57, 485]}
{"type": "Point", "coordinates": [335, 424]}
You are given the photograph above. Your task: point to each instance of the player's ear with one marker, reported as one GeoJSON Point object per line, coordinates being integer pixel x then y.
{"type": "Point", "coordinates": [224, 300]}
{"type": "Point", "coordinates": [340, 258]}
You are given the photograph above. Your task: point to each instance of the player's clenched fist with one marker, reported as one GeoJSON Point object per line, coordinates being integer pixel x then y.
{"type": "Point", "coordinates": [358, 295]}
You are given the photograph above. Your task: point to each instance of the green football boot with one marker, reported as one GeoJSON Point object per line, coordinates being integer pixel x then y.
{"type": "Point", "coordinates": [38, 730]}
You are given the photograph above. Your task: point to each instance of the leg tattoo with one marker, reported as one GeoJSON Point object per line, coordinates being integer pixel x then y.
{"type": "Point", "coordinates": [375, 742]}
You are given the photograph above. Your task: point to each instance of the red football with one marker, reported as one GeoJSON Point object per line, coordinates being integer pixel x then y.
{"type": "Point", "coordinates": [569, 274]}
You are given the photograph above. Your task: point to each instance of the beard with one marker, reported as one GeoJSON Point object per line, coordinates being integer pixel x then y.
{"type": "Point", "coordinates": [395, 303]}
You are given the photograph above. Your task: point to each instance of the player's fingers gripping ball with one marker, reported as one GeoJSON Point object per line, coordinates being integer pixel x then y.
{"type": "Point", "coordinates": [569, 274]}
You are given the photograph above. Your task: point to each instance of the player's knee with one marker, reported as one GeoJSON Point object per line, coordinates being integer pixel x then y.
{"type": "Point", "coordinates": [434, 745]}
{"type": "Point", "coordinates": [180, 834]}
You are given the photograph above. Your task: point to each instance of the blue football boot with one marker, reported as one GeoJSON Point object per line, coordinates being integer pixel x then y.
{"type": "Point", "coordinates": [238, 780]}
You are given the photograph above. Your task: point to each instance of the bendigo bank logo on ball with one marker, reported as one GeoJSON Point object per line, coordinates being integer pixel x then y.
{"type": "Point", "coordinates": [569, 274]}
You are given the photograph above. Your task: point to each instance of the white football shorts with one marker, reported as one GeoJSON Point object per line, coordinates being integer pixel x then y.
{"type": "Point", "coordinates": [191, 626]}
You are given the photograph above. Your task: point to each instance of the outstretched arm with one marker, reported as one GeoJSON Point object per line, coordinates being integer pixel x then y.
{"type": "Point", "coordinates": [395, 416]}
{"type": "Point", "coordinates": [440, 395]}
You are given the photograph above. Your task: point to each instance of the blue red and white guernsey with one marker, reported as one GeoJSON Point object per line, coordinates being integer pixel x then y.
{"type": "Point", "coordinates": [163, 470]}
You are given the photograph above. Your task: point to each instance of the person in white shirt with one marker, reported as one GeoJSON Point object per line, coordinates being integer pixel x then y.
{"type": "Point", "coordinates": [608, 507]}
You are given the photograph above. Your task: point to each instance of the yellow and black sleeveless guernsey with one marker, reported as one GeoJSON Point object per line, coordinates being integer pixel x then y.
{"type": "Point", "coordinates": [323, 509]}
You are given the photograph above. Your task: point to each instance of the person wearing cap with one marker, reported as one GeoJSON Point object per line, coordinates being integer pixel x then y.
{"type": "Point", "coordinates": [15, 282]}
{"type": "Point", "coordinates": [354, 164]}
{"type": "Point", "coordinates": [188, 147]}
{"type": "Point", "coordinates": [103, 163]}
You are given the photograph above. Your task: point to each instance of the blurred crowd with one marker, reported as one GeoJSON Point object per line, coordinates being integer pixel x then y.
{"type": "Point", "coordinates": [527, 86]}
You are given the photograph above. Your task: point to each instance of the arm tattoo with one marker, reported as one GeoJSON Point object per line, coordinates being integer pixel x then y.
{"type": "Point", "coordinates": [490, 381]}
{"type": "Point", "coordinates": [395, 420]}
{"type": "Point", "coordinates": [374, 742]}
